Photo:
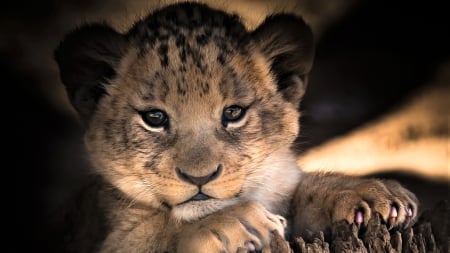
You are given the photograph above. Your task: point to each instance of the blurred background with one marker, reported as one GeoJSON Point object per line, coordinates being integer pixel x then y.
{"type": "Point", "coordinates": [377, 103]}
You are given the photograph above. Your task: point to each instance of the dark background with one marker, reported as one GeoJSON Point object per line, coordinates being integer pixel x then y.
{"type": "Point", "coordinates": [371, 61]}
{"type": "Point", "coordinates": [366, 64]}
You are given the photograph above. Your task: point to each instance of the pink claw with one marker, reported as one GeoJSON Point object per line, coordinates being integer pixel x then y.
{"type": "Point", "coordinates": [359, 218]}
{"type": "Point", "coordinates": [250, 246]}
{"type": "Point", "coordinates": [409, 212]}
{"type": "Point", "coordinates": [393, 213]}
{"type": "Point", "coordinates": [392, 216]}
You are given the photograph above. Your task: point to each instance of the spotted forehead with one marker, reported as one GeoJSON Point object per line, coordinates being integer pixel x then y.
{"type": "Point", "coordinates": [186, 50]}
{"type": "Point", "coordinates": [189, 24]}
{"type": "Point", "coordinates": [188, 83]}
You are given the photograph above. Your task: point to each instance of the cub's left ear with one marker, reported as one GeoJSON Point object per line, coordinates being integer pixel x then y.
{"type": "Point", "coordinates": [287, 41]}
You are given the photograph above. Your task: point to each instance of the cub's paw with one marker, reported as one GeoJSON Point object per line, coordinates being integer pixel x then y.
{"type": "Point", "coordinates": [397, 205]}
{"type": "Point", "coordinates": [246, 227]}
{"type": "Point", "coordinates": [322, 200]}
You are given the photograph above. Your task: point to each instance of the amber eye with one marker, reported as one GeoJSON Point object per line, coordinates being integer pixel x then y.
{"type": "Point", "coordinates": [155, 118]}
{"type": "Point", "coordinates": [232, 114]}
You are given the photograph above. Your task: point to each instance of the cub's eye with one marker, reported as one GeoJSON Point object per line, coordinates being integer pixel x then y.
{"type": "Point", "coordinates": [232, 114]}
{"type": "Point", "coordinates": [155, 118]}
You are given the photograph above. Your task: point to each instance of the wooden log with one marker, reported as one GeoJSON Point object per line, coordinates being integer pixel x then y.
{"type": "Point", "coordinates": [431, 234]}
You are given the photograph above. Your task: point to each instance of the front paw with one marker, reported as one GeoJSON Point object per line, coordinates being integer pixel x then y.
{"type": "Point", "coordinates": [247, 227]}
{"type": "Point", "coordinates": [325, 199]}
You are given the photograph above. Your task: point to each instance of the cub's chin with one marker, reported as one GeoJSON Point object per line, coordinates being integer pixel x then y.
{"type": "Point", "coordinates": [196, 209]}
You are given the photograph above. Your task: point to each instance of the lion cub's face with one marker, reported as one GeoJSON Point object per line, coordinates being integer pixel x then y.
{"type": "Point", "coordinates": [188, 111]}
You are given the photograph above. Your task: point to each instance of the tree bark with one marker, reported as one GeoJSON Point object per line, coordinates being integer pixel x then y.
{"type": "Point", "coordinates": [431, 233]}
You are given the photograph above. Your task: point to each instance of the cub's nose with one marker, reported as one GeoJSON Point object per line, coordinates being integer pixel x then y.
{"type": "Point", "coordinates": [199, 181]}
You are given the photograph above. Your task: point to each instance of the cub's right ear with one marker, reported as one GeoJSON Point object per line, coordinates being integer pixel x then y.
{"type": "Point", "coordinates": [87, 60]}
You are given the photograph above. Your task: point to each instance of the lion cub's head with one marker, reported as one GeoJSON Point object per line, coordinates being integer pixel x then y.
{"type": "Point", "coordinates": [189, 111]}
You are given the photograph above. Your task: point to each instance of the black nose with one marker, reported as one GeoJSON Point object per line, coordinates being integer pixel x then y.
{"type": "Point", "coordinates": [199, 181]}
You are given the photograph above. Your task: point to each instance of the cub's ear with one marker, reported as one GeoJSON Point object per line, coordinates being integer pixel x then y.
{"type": "Point", "coordinates": [87, 59]}
{"type": "Point", "coordinates": [287, 41]}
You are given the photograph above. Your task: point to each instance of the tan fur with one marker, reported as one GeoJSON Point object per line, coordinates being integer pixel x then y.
{"type": "Point", "coordinates": [148, 198]}
{"type": "Point", "coordinates": [413, 139]}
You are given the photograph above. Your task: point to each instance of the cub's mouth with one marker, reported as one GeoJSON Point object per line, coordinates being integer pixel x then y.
{"type": "Point", "coordinates": [198, 197]}
{"type": "Point", "coordinates": [200, 205]}
{"type": "Point", "coordinates": [201, 198]}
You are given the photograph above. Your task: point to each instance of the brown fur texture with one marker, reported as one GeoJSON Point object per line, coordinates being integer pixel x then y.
{"type": "Point", "coordinates": [190, 119]}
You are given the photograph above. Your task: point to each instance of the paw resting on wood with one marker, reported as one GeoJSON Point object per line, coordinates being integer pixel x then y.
{"type": "Point", "coordinates": [323, 199]}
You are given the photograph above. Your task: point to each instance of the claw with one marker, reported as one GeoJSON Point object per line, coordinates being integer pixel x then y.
{"type": "Point", "coordinates": [250, 246]}
{"type": "Point", "coordinates": [359, 218]}
{"type": "Point", "coordinates": [409, 212]}
{"type": "Point", "coordinates": [393, 215]}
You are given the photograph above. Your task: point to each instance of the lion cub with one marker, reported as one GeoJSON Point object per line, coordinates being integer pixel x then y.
{"type": "Point", "coordinates": [190, 119]}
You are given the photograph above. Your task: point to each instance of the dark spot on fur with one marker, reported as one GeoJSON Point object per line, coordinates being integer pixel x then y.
{"type": "Point", "coordinates": [197, 58]}
{"type": "Point", "coordinates": [180, 40]}
{"type": "Point", "coordinates": [183, 55]}
{"type": "Point", "coordinates": [232, 86]}
{"type": "Point", "coordinates": [163, 37]}
{"type": "Point", "coordinates": [180, 89]}
{"type": "Point", "coordinates": [208, 32]}
{"type": "Point", "coordinates": [163, 57]}
{"type": "Point", "coordinates": [205, 87]}
{"type": "Point", "coordinates": [221, 58]}
{"type": "Point", "coordinates": [152, 163]}
{"type": "Point", "coordinates": [149, 84]}
{"type": "Point", "coordinates": [147, 97]}
{"type": "Point", "coordinates": [164, 87]}
{"type": "Point", "coordinates": [202, 39]}
{"type": "Point", "coordinates": [309, 199]}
